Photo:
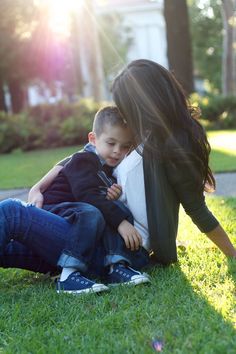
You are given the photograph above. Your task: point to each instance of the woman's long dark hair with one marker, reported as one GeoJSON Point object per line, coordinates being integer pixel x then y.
{"type": "Point", "coordinates": [155, 107]}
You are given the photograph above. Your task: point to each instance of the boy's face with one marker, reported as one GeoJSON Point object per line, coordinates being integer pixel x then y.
{"type": "Point", "coordinates": [112, 144]}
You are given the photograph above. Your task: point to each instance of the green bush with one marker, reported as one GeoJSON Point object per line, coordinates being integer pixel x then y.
{"type": "Point", "coordinates": [219, 112]}
{"type": "Point", "coordinates": [13, 131]}
{"type": "Point", "coordinates": [44, 126]}
{"type": "Point", "coordinates": [65, 124]}
{"type": "Point", "coordinates": [74, 130]}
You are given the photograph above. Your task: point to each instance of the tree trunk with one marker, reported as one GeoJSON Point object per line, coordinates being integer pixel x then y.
{"type": "Point", "coordinates": [228, 57]}
{"type": "Point", "coordinates": [3, 106]}
{"type": "Point", "coordinates": [90, 54]}
{"type": "Point", "coordinates": [17, 95]}
{"type": "Point", "coordinates": [179, 49]}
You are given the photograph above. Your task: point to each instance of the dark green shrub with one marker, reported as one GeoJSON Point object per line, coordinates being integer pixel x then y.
{"type": "Point", "coordinates": [47, 125]}
{"type": "Point", "coordinates": [13, 131]}
{"type": "Point", "coordinates": [44, 113]}
{"type": "Point", "coordinates": [218, 111]}
{"type": "Point", "coordinates": [74, 130]}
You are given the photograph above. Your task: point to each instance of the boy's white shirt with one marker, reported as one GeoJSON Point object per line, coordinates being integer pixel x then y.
{"type": "Point", "coordinates": [129, 174]}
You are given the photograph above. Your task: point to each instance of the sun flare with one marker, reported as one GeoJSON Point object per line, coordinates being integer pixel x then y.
{"type": "Point", "coordinates": [60, 12]}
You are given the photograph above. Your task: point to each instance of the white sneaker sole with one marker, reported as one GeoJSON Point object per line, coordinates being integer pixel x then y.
{"type": "Point", "coordinates": [135, 280]}
{"type": "Point", "coordinates": [96, 288]}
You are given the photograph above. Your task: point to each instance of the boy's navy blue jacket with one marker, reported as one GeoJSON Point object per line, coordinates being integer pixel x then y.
{"type": "Point", "coordinates": [83, 179]}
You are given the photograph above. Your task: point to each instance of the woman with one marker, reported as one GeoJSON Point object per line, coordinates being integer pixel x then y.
{"type": "Point", "coordinates": [175, 155]}
{"type": "Point", "coordinates": [175, 159]}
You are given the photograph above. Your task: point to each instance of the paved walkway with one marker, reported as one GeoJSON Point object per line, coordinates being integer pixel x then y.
{"type": "Point", "coordinates": [14, 193]}
{"type": "Point", "coordinates": [225, 186]}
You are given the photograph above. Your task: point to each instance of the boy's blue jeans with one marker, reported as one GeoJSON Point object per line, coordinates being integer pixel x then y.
{"type": "Point", "coordinates": [116, 250]}
{"type": "Point", "coordinates": [111, 249]}
{"type": "Point", "coordinates": [34, 239]}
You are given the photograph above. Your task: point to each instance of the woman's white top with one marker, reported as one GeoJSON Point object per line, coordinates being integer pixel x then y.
{"type": "Point", "coordinates": [129, 174]}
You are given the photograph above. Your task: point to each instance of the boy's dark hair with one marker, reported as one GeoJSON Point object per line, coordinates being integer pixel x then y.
{"type": "Point", "coordinates": [107, 115]}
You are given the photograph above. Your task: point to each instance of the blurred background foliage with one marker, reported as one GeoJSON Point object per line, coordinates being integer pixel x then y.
{"type": "Point", "coordinates": [36, 51]}
{"type": "Point", "coordinates": [45, 126]}
{"type": "Point", "coordinates": [206, 31]}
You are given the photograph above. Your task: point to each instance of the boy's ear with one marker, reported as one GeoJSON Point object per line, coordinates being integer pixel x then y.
{"type": "Point", "coordinates": [92, 138]}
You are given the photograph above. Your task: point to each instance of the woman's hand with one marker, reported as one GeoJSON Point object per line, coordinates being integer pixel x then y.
{"type": "Point", "coordinates": [35, 194]}
{"type": "Point", "coordinates": [35, 197]}
{"type": "Point", "coordinates": [114, 192]}
{"type": "Point", "coordinates": [130, 235]}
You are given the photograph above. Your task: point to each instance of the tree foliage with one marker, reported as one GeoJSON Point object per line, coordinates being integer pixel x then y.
{"type": "Point", "coordinates": [115, 42]}
{"type": "Point", "coordinates": [31, 52]}
{"type": "Point", "coordinates": [206, 29]}
{"type": "Point", "coordinates": [17, 22]}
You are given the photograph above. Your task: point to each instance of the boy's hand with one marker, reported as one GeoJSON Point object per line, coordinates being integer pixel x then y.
{"type": "Point", "coordinates": [114, 192]}
{"type": "Point", "coordinates": [35, 198]}
{"type": "Point", "coordinates": [130, 235]}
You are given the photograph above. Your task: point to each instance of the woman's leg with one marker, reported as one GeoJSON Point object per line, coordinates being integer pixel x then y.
{"type": "Point", "coordinates": [16, 255]}
{"type": "Point", "coordinates": [41, 232]}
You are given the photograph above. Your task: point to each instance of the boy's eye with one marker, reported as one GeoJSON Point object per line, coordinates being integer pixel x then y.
{"type": "Point", "coordinates": [111, 144]}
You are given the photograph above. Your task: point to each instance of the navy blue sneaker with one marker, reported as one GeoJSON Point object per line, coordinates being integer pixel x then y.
{"type": "Point", "coordinates": [77, 284]}
{"type": "Point", "coordinates": [122, 274]}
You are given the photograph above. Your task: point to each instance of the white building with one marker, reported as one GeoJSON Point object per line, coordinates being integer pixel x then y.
{"type": "Point", "coordinates": [146, 20]}
{"type": "Point", "coordinates": [146, 24]}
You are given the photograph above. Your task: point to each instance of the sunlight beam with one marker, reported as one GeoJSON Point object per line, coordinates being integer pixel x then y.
{"type": "Point", "coordinates": [60, 12]}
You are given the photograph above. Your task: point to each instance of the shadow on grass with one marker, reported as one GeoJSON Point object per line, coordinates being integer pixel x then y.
{"type": "Point", "coordinates": [185, 320]}
{"type": "Point", "coordinates": [170, 309]}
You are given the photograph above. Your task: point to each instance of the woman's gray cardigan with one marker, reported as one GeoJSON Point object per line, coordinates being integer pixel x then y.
{"type": "Point", "coordinates": [167, 185]}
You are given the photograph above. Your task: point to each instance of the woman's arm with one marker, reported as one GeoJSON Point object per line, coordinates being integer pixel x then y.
{"type": "Point", "coordinates": [222, 241]}
{"type": "Point", "coordinates": [193, 201]}
{"type": "Point", "coordinates": [35, 194]}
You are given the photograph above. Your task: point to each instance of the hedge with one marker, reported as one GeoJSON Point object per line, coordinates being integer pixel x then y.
{"type": "Point", "coordinates": [45, 126]}
{"type": "Point", "coordinates": [65, 124]}
{"type": "Point", "coordinates": [218, 112]}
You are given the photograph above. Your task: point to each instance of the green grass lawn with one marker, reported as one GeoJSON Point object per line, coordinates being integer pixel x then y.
{"type": "Point", "coordinates": [23, 169]}
{"type": "Point", "coordinates": [190, 306]}
{"type": "Point", "coordinates": [223, 155]}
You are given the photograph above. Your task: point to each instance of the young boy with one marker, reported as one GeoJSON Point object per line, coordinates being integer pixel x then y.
{"type": "Point", "coordinates": [85, 178]}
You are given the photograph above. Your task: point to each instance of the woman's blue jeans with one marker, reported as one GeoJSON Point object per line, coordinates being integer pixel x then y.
{"type": "Point", "coordinates": [32, 238]}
